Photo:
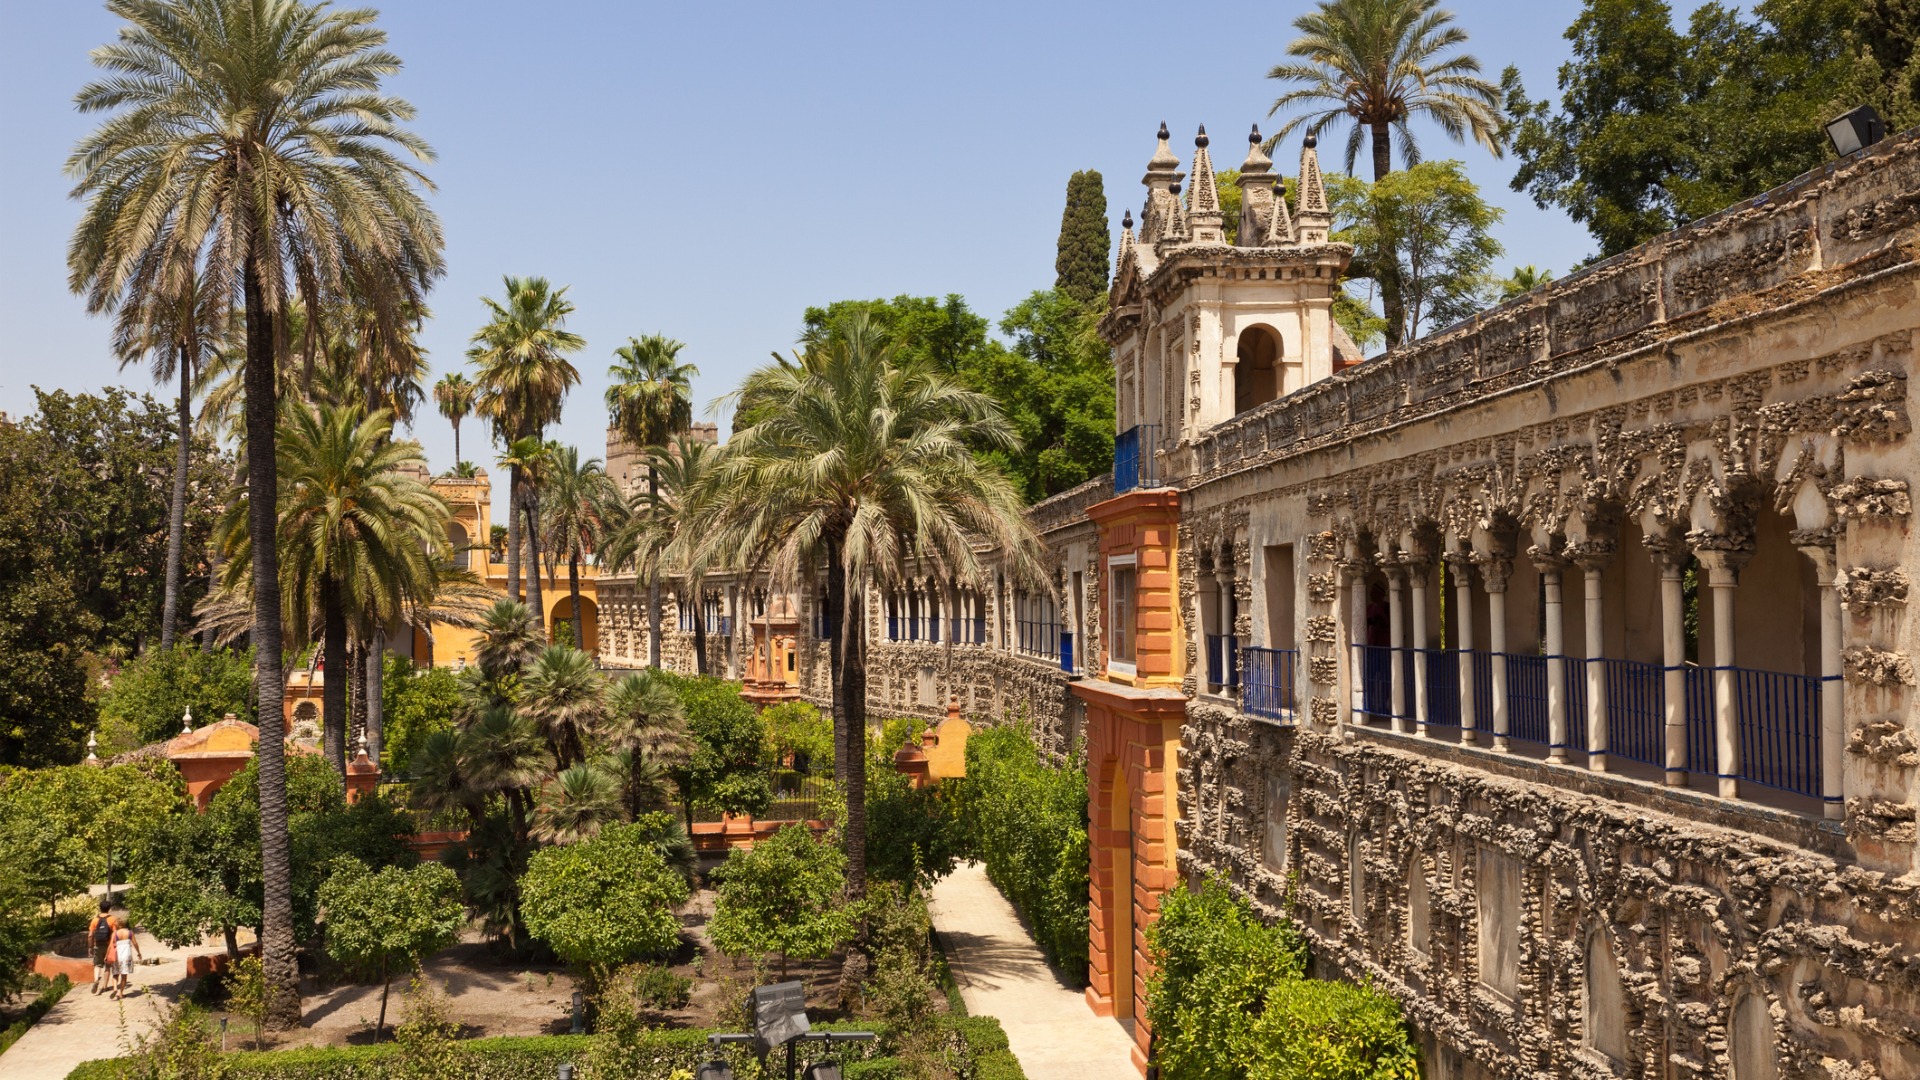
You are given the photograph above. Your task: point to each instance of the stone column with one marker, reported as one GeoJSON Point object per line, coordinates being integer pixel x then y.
{"type": "Point", "coordinates": [1592, 558]}
{"type": "Point", "coordinates": [1355, 664]}
{"type": "Point", "coordinates": [1460, 568]}
{"type": "Point", "coordinates": [1417, 571]}
{"type": "Point", "coordinates": [1397, 638]}
{"type": "Point", "coordinates": [1553, 639]}
{"type": "Point", "coordinates": [1723, 561]}
{"type": "Point", "coordinates": [1494, 570]}
{"type": "Point", "coordinates": [1832, 688]}
{"type": "Point", "coordinates": [1672, 556]}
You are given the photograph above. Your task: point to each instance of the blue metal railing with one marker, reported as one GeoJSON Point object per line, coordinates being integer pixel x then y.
{"type": "Point", "coordinates": [1443, 686]}
{"type": "Point", "coordinates": [1066, 652]}
{"type": "Point", "coordinates": [1703, 750]}
{"type": "Point", "coordinates": [1636, 710]}
{"type": "Point", "coordinates": [1134, 465]}
{"type": "Point", "coordinates": [1376, 682]}
{"type": "Point", "coordinates": [1779, 729]}
{"type": "Point", "coordinates": [1527, 697]}
{"type": "Point", "coordinates": [1267, 682]}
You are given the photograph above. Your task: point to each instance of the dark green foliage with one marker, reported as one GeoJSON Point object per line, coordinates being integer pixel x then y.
{"type": "Point", "coordinates": [1427, 227]}
{"type": "Point", "coordinates": [634, 1052]}
{"type": "Point", "coordinates": [784, 895]}
{"type": "Point", "coordinates": [1027, 821]}
{"type": "Point", "coordinates": [1228, 1000]}
{"type": "Point", "coordinates": [20, 929]}
{"type": "Point", "coordinates": [728, 769]}
{"type": "Point", "coordinates": [84, 485]}
{"type": "Point", "coordinates": [1656, 126]}
{"type": "Point", "coordinates": [1084, 252]}
{"type": "Point", "coordinates": [605, 900]}
{"type": "Point", "coordinates": [418, 702]}
{"type": "Point", "coordinates": [799, 732]}
{"type": "Point", "coordinates": [146, 699]}
{"type": "Point", "coordinates": [913, 835]}
{"type": "Point", "coordinates": [39, 1007]}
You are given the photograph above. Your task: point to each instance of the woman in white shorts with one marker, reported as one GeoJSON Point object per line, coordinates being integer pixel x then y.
{"type": "Point", "coordinates": [125, 948]}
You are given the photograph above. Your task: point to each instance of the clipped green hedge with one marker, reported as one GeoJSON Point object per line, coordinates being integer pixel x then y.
{"type": "Point", "coordinates": [657, 1056]}
{"type": "Point", "coordinates": [46, 1001]}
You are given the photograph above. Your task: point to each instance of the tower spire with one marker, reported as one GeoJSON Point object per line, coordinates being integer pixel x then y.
{"type": "Point", "coordinates": [1256, 195]}
{"type": "Point", "coordinates": [1162, 181]}
{"type": "Point", "coordinates": [1204, 222]}
{"type": "Point", "coordinates": [1126, 244]}
{"type": "Point", "coordinates": [1316, 220]}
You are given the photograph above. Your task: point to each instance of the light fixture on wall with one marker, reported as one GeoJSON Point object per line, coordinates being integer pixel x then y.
{"type": "Point", "coordinates": [1856, 130]}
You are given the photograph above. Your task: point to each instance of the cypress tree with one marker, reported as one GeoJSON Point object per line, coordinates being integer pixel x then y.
{"type": "Point", "coordinates": [1080, 268]}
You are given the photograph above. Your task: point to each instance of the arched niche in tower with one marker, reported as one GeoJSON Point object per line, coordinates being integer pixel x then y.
{"type": "Point", "coordinates": [1256, 372]}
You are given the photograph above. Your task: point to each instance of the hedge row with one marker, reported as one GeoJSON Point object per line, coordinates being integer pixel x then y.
{"type": "Point", "coordinates": [658, 1056]}
{"type": "Point", "coordinates": [46, 1001]}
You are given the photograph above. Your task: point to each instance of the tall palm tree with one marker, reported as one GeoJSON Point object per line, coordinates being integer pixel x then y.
{"type": "Point", "coordinates": [523, 376]}
{"type": "Point", "coordinates": [509, 640]}
{"type": "Point", "coordinates": [650, 401]}
{"type": "Point", "coordinates": [580, 507]}
{"type": "Point", "coordinates": [1379, 63]}
{"type": "Point", "coordinates": [679, 478]}
{"type": "Point", "coordinates": [180, 336]}
{"type": "Point", "coordinates": [864, 461]}
{"type": "Point", "coordinates": [531, 459]}
{"type": "Point", "coordinates": [250, 139]}
{"type": "Point", "coordinates": [566, 697]}
{"type": "Point", "coordinates": [360, 536]}
{"type": "Point", "coordinates": [455, 395]}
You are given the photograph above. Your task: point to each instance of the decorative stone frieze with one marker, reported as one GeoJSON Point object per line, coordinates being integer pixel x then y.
{"type": "Point", "coordinates": [1877, 667]}
{"type": "Point", "coordinates": [1864, 587]}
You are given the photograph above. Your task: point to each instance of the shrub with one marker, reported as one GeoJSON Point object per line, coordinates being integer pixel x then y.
{"type": "Point", "coordinates": [144, 702]}
{"type": "Point", "coordinates": [913, 835]}
{"type": "Point", "coordinates": [417, 702]}
{"type": "Point", "coordinates": [728, 768]}
{"type": "Point", "coordinates": [1027, 821]}
{"type": "Point", "coordinates": [605, 900]}
{"type": "Point", "coordinates": [47, 999]}
{"type": "Point", "coordinates": [1228, 1000]}
{"type": "Point", "coordinates": [783, 895]}
{"type": "Point", "coordinates": [394, 919]}
{"type": "Point", "coordinates": [799, 729]}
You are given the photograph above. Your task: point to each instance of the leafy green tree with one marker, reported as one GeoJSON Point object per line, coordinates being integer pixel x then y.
{"type": "Point", "coordinates": [727, 770]}
{"type": "Point", "coordinates": [678, 480]}
{"type": "Point", "coordinates": [938, 332]}
{"type": "Point", "coordinates": [1430, 225]}
{"type": "Point", "coordinates": [228, 135]}
{"type": "Point", "coordinates": [914, 838]}
{"type": "Point", "coordinates": [1055, 387]}
{"type": "Point", "coordinates": [1332, 1029]}
{"type": "Point", "coordinates": [20, 929]}
{"type": "Point", "coordinates": [419, 702]}
{"type": "Point", "coordinates": [1214, 964]}
{"type": "Point", "coordinates": [523, 376]}
{"type": "Point", "coordinates": [1085, 248]}
{"type": "Point", "coordinates": [798, 730]}
{"type": "Point", "coordinates": [394, 919]}
{"type": "Point", "coordinates": [1657, 126]}
{"type": "Point", "coordinates": [786, 895]}
{"type": "Point", "coordinates": [604, 901]}
{"type": "Point", "coordinates": [146, 699]}
{"type": "Point", "coordinates": [60, 826]}
{"type": "Point", "coordinates": [1523, 280]}
{"type": "Point", "coordinates": [646, 728]}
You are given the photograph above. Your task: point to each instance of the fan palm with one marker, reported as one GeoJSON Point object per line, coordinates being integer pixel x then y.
{"type": "Point", "coordinates": [650, 401]}
{"type": "Point", "coordinates": [566, 696]}
{"type": "Point", "coordinates": [250, 139]}
{"type": "Point", "coordinates": [864, 460]}
{"type": "Point", "coordinates": [576, 804]}
{"type": "Point", "coordinates": [503, 753]}
{"type": "Point", "coordinates": [645, 724]}
{"type": "Point", "coordinates": [180, 336]}
{"type": "Point", "coordinates": [509, 640]}
{"type": "Point", "coordinates": [454, 395]}
{"type": "Point", "coordinates": [579, 509]}
{"type": "Point", "coordinates": [522, 377]}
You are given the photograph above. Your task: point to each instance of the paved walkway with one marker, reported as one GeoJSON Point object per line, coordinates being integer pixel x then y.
{"type": "Point", "coordinates": [85, 1025]}
{"type": "Point", "coordinates": [1002, 974]}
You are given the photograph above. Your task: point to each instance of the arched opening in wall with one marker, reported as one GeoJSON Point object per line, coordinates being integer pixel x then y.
{"type": "Point", "coordinates": [560, 622]}
{"type": "Point", "coordinates": [1606, 1001]}
{"type": "Point", "coordinates": [1256, 372]}
{"type": "Point", "coordinates": [306, 722]}
{"type": "Point", "coordinates": [458, 542]}
{"type": "Point", "coordinates": [1750, 1039]}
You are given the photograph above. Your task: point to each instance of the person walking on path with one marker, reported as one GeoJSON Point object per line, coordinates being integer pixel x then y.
{"type": "Point", "coordinates": [125, 948]}
{"type": "Point", "coordinates": [100, 932]}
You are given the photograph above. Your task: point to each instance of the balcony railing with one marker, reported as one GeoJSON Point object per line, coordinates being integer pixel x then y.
{"type": "Point", "coordinates": [1134, 465]}
{"type": "Point", "coordinates": [1223, 662]}
{"type": "Point", "coordinates": [1066, 652]}
{"type": "Point", "coordinates": [1267, 682]}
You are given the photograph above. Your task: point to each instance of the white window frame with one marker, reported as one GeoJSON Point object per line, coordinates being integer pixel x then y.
{"type": "Point", "coordinates": [1116, 563]}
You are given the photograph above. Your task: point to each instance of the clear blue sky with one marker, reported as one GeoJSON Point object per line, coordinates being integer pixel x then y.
{"type": "Point", "coordinates": [709, 170]}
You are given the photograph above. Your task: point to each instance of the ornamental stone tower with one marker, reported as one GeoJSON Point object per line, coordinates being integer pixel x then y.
{"type": "Point", "coordinates": [1203, 329]}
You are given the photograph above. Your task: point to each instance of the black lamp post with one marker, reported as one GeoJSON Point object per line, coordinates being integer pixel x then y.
{"type": "Point", "coordinates": [1854, 131]}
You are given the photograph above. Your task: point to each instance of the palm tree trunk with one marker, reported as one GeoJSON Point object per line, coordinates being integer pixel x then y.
{"type": "Point", "coordinates": [376, 705]}
{"type": "Point", "coordinates": [333, 692]}
{"type": "Point", "coordinates": [531, 542]}
{"type": "Point", "coordinates": [699, 631]}
{"type": "Point", "coordinates": [573, 587]}
{"type": "Point", "coordinates": [653, 586]}
{"type": "Point", "coordinates": [853, 695]}
{"type": "Point", "coordinates": [836, 605]}
{"type": "Point", "coordinates": [456, 443]}
{"type": "Point", "coordinates": [177, 509]}
{"type": "Point", "coordinates": [1388, 272]}
{"type": "Point", "coordinates": [357, 681]}
{"type": "Point", "coordinates": [278, 968]}
{"type": "Point", "coordinates": [513, 532]}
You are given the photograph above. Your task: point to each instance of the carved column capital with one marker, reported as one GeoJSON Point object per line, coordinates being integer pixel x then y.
{"type": "Point", "coordinates": [1494, 570]}
{"type": "Point", "coordinates": [1669, 549]}
{"type": "Point", "coordinates": [1548, 559]}
{"type": "Point", "coordinates": [1590, 554]}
